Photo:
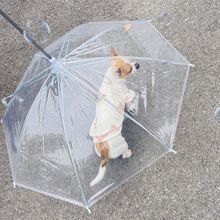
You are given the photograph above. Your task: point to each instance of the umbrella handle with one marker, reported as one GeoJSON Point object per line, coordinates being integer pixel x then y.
{"type": "Point", "coordinates": [32, 41]}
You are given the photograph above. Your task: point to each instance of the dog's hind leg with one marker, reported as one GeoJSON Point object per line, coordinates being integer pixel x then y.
{"type": "Point", "coordinates": [127, 154]}
{"type": "Point", "coordinates": [104, 152]}
{"type": "Point", "coordinates": [126, 151]}
{"type": "Point", "coordinates": [104, 155]}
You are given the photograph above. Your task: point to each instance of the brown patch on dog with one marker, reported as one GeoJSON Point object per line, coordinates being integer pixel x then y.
{"type": "Point", "coordinates": [103, 148]}
{"type": "Point", "coordinates": [122, 68]}
{"type": "Point", "coordinates": [104, 157]}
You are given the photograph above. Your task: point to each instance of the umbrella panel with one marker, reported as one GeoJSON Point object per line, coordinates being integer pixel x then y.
{"type": "Point", "coordinates": [47, 133]}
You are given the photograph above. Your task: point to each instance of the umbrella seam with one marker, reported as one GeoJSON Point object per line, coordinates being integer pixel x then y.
{"type": "Point", "coordinates": [61, 110]}
{"type": "Point", "coordinates": [175, 51]}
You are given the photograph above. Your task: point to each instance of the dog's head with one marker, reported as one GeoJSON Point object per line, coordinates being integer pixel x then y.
{"type": "Point", "coordinates": [121, 66]}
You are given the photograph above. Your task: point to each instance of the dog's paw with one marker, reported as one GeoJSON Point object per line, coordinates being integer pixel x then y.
{"type": "Point", "coordinates": [131, 108]}
{"type": "Point", "coordinates": [127, 154]}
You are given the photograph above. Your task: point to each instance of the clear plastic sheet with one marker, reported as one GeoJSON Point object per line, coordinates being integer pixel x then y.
{"type": "Point", "coordinates": [48, 118]}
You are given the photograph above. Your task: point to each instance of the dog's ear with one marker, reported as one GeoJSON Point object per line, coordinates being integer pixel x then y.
{"type": "Point", "coordinates": [113, 52]}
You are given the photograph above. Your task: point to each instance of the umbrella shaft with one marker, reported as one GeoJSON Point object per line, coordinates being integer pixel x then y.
{"type": "Point", "coordinates": [22, 32]}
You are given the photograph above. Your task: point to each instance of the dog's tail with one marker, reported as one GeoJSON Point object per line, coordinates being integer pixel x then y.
{"type": "Point", "coordinates": [104, 161]}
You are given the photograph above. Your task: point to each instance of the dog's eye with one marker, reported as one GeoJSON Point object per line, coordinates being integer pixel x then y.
{"type": "Point", "coordinates": [130, 70]}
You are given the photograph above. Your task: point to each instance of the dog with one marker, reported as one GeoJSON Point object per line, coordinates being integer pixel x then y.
{"type": "Point", "coordinates": [107, 125]}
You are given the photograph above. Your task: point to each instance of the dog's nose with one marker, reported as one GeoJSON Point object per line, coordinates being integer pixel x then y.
{"type": "Point", "coordinates": [137, 65]}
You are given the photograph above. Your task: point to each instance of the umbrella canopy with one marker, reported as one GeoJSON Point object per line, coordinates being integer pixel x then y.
{"type": "Point", "coordinates": [47, 121]}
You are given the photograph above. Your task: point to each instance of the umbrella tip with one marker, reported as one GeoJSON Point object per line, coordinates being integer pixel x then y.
{"type": "Point", "coordinates": [89, 210]}
{"type": "Point", "coordinates": [172, 151]}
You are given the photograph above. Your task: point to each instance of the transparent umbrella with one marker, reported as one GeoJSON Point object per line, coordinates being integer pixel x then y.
{"type": "Point", "coordinates": [48, 118]}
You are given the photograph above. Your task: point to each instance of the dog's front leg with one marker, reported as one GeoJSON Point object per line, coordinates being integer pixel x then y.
{"type": "Point", "coordinates": [130, 106]}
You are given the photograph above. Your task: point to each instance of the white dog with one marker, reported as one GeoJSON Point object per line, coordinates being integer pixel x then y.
{"type": "Point", "coordinates": [107, 125]}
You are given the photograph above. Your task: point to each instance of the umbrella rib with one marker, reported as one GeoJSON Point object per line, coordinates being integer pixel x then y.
{"type": "Point", "coordinates": [33, 80]}
{"type": "Point", "coordinates": [39, 74]}
{"type": "Point", "coordinates": [38, 63]}
{"type": "Point", "coordinates": [88, 63]}
{"type": "Point", "coordinates": [92, 87]}
{"type": "Point", "coordinates": [83, 83]}
{"type": "Point", "coordinates": [89, 47]}
{"type": "Point", "coordinates": [72, 91]}
{"type": "Point", "coordinates": [43, 120]}
{"type": "Point", "coordinates": [82, 59]}
{"type": "Point", "coordinates": [89, 51]}
{"type": "Point", "coordinates": [86, 87]}
{"type": "Point", "coordinates": [143, 58]}
{"type": "Point", "coordinates": [155, 136]}
{"type": "Point", "coordinates": [175, 51]}
{"type": "Point", "coordinates": [88, 41]}
{"type": "Point", "coordinates": [85, 69]}
{"type": "Point", "coordinates": [61, 110]}
{"type": "Point", "coordinates": [61, 50]}
{"type": "Point", "coordinates": [155, 59]}
{"type": "Point", "coordinates": [22, 83]}
{"type": "Point", "coordinates": [67, 47]}
{"type": "Point", "coordinates": [85, 47]}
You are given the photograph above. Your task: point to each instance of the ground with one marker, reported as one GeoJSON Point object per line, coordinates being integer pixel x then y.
{"type": "Point", "coordinates": [185, 185]}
